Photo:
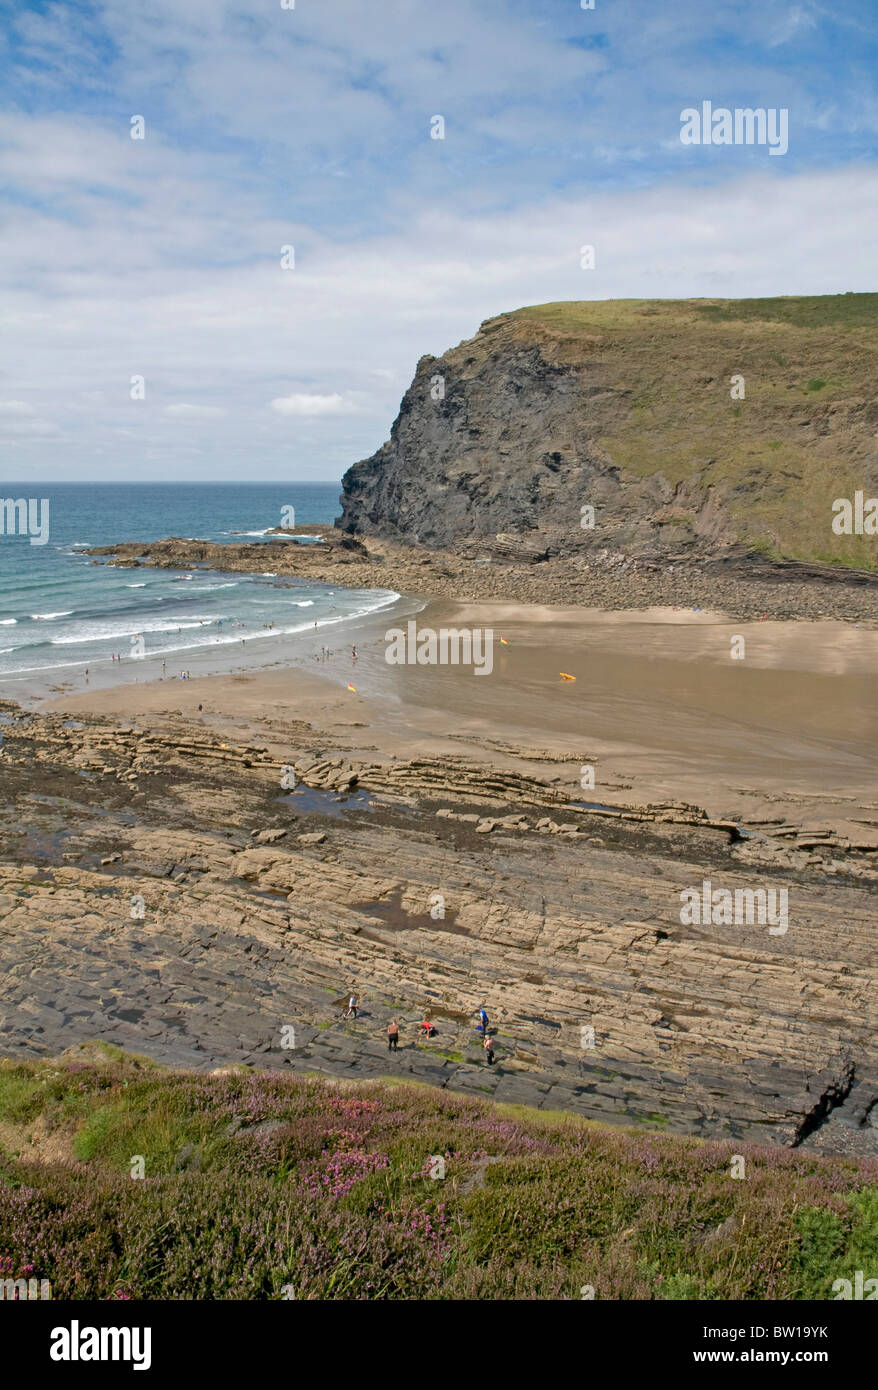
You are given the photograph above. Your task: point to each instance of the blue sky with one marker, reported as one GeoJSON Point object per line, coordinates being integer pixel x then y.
{"type": "Point", "coordinates": [310, 127]}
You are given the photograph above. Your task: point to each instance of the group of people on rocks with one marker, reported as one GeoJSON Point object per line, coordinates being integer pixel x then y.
{"type": "Point", "coordinates": [426, 1029]}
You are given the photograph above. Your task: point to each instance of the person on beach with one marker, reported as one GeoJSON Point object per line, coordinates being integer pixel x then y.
{"type": "Point", "coordinates": [488, 1045]}
{"type": "Point", "coordinates": [392, 1036]}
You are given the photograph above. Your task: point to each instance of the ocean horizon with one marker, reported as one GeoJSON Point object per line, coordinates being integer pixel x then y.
{"type": "Point", "coordinates": [62, 612]}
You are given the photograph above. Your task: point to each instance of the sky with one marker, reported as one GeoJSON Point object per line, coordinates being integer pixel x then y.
{"type": "Point", "coordinates": [313, 128]}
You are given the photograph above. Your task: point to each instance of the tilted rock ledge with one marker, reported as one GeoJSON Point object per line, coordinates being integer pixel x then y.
{"type": "Point", "coordinates": [159, 890]}
{"type": "Point", "coordinates": [737, 585]}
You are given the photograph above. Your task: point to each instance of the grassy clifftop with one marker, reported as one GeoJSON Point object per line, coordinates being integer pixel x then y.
{"type": "Point", "coordinates": [804, 434]}
{"type": "Point", "coordinates": [697, 429]}
{"type": "Point", "coordinates": [258, 1183]}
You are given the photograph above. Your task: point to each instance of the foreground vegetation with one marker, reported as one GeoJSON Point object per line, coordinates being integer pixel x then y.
{"type": "Point", "coordinates": [264, 1185]}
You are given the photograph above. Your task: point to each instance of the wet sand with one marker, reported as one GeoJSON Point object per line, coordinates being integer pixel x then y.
{"type": "Point", "coordinates": [659, 707]}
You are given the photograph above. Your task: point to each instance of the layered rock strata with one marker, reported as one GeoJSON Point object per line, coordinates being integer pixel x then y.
{"type": "Point", "coordinates": [162, 889]}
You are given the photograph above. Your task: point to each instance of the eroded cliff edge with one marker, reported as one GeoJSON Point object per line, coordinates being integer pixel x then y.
{"type": "Point", "coordinates": [696, 429]}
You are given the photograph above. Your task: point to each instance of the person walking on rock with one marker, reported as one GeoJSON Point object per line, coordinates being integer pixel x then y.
{"type": "Point", "coordinates": [351, 1011]}
{"type": "Point", "coordinates": [488, 1045]}
{"type": "Point", "coordinates": [392, 1036]}
{"type": "Point", "coordinates": [482, 1025]}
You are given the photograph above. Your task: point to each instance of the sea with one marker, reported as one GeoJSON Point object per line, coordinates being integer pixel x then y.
{"type": "Point", "coordinates": [62, 613]}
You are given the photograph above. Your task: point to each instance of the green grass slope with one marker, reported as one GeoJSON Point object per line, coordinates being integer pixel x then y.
{"type": "Point", "coordinates": [264, 1186]}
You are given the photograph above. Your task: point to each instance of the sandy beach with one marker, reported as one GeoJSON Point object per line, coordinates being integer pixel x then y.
{"type": "Point", "coordinates": [659, 707]}
{"type": "Point", "coordinates": [431, 839]}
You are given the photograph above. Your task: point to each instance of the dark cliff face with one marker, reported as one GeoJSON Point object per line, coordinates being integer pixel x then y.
{"type": "Point", "coordinates": [508, 444]}
{"type": "Point", "coordinates": [515, 431]}
{"type": "Point", "coordinates": [472, 453]}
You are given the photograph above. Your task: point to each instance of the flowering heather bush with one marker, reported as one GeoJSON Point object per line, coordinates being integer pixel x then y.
{"type": "Point", "coordinates": [257, 1181]}
{"type": "Point", "coordinates": [342, 1169]}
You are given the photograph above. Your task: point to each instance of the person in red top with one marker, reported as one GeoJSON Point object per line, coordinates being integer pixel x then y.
{"type": "Point", "coordinates": [427, 1028]}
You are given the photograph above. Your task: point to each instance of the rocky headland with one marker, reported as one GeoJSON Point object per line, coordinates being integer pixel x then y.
{"type": "Point", "coordinates": [618, 454]}
{"type": "Point", "coordinates": [713, 430]}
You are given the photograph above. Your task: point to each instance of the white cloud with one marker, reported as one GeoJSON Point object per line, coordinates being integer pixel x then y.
{"type": "Point", "coordinates": [19, 420]}
{"type": "Point", "coordinates": [28, 429]}
{"type": "Point", "coordinates": [349, 324]}
{"type": "Point", "coordinates": [310, 127]}
{"type": "Point", "coordinates": [792, 22]}
{"type": "Point", "coordinates": [303, 404]}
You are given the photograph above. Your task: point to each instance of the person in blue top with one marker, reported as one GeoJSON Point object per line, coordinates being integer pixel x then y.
{"type": "Point", "coordinates": [482, 1025]}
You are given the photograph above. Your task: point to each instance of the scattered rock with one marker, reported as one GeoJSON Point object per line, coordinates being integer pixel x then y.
{"type": "Point", "coordinates": [726, 1231]}
{"type": "Point", "coordinates": [189, 1158]}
